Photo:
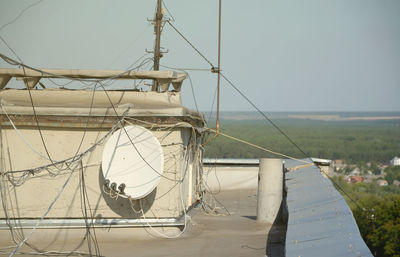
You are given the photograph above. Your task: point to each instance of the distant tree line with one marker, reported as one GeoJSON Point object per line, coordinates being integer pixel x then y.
{"type": "Point", "coordinates": [352, 141]}
{"type": "Point", "coordinates": [392, 174]}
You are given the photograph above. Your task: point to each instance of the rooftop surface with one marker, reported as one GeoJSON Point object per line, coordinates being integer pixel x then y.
{"type": "Point", "coordinates": [319, 223]}
{"type": "Point", "coordinates": [237, 234]}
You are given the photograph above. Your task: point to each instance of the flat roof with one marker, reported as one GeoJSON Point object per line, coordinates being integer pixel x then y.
{"type": "Point", "coordinates": [222, 235]}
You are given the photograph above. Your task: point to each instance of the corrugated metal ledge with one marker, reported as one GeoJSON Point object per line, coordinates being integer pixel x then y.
{"type": "Point", "coordinates": [320, 222]}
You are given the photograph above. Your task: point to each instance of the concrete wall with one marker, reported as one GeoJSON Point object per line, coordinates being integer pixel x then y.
{"type": "Point", "coordinates": [33, 197]}
{"type": "Point", "coordinates": [231, 177]}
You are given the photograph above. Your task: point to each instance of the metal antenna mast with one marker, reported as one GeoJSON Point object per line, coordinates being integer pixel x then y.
{"type": "Point", "coordinates": [157, 52]}
{"type": "Point", "coordinates": [219, 66]}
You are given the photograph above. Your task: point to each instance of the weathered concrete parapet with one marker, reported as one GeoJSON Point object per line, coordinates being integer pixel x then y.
{"type": "Point", "coordinates": [32, 76]}
{"type": "Point", "coordinates": [270, 190]}
{"type": "Point", "coordinates": [63, 116]}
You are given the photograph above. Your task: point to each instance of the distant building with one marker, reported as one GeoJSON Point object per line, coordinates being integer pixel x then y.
{"type": "Point", "coordinates": [368, 180]}
{"type": "Point", "coordinates": [355, 179]}
{"type": "Point", "coordinates": [395, 161]}
{"type": "Point", "coordinates": [371, 178]}
{"type": "Point", "coordinates": [382, 182]}
{"type": "Point", "coordinates": [338, 162]}
{"type": "Point", "coordinates": [396, 182]}
{"type": "Point", "coordinates": [355, 172]}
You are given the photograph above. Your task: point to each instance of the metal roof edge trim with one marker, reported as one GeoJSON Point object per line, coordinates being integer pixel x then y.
{"type": "Point", "coordinates": [320, 221]}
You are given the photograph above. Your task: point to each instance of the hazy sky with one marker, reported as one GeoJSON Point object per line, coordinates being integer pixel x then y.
{"type": "Point", "coordinates": [310, 55]}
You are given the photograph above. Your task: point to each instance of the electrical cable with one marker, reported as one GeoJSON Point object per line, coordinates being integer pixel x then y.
{"type": "Point", "coordinates": [240, 92]}
{"type": "Point", "coordinates": [129, 45]}
{"type": "Point", "coordinates": [130, 68]}
{"type": "Point", "coordinates": [36, 118]}
{"type": "Point", "coordinates": [48, 209]}
{"type": "Point", "coordinates": [341, 189]}
{"type": "Point", "coordinates": [212, 105]}
{"type": "Point", "coordinates": [186, 69]}
{"type": "Point", "coordinates": [87, 82]}
{"type": "Point", "coordinates": [8, 59]}
{"type": "Point", "coordinates": [20, 14]}
{"type": "Point", "coordinates": [130, 139]}
{"type": "Point", "coordinates": [180, 181]}
{"type": "Point", "coordinates": [60, 85]}
{"type": "Point", "coordinates": [183, 175]}
{"type": "Point", "coordinates": [52, 253]}
{"type": "Point", "coordinates": [187, 40]}
{"type": "Point", "coordinates": [89, 240]}
{"type": "Point", "coordinates": [172, 17]}
{"type": "Point", "coordinates": [255, 107]}
{"type": "Point", "coordinates": [69, 160]}
{"type": "Point", "coordinates": [20, 135]}
{"type": "Point", "coordinates": [213, 168]}
{"type": "Point", "coordinates": [191, 86]}
{"type": "Point", "coordinates": [259, 147]}
{"type": "Point", "coordinates": [72, 171]}
{"type": "Point", "coordinates": [265, 116]}
{"type": "Point", "coordinates": [45, 213]}
{"type": "Point", "coordinates": [38, 126]}
{"type": "Point", "coordinates": [209, 207]}
{"type": "Point", "coordinates": [43, 72]}
{"type": "Point", "coordinates": [34, 171]}
{"type": "Point", "coordinates": [4, 192]}
{"type": "Point", "coordinates": [284, 134]}
{"type": "Point", "coordinates": [30, 96]}
{"type": "Point", "coordinates": [43, 142]}
{"type": "Point", "coordinates": [196, 103]}
{"type": "Point", "coordinates": [85, 199]}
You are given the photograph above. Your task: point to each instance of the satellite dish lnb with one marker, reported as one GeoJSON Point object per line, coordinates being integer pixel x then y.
{"type": "Point", "coordinates": [134, 160]}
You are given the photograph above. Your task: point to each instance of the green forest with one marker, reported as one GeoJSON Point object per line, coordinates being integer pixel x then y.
{"type": "Point", "coordinates": [352, 141]}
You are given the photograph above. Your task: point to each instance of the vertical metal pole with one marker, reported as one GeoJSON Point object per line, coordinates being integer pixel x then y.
{"type": "Point", "coordinates": [219, 66]}
{"type": "Point", "coordinates": [157, 54]}
{"type": "Point", "coordinates": [270, 190]}
{"type": "Point", "coordinates": [1, 157]}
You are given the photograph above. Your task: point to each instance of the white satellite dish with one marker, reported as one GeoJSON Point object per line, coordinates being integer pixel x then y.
{"type": "Point", "coordinates": [133, 156]}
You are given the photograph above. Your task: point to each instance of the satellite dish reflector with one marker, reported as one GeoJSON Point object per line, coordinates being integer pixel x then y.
{"type": "Point", "coordinates": [133, 156]}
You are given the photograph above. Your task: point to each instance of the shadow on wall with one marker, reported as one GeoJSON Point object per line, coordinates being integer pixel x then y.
{"type": "Point", "coordinates": [277, 235]}
{"type": "Point", "coordinates": [129, 209]}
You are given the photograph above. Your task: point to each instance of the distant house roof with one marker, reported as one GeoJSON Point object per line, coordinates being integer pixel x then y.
{"type": "Point", "coordinates": [356, 179]}
{"type": "Point", "coordinates": [356, 171]}
{"type": "Point", "coordinates": [382, 182]}
{"type": "Point", "coordinates": [338, 162]}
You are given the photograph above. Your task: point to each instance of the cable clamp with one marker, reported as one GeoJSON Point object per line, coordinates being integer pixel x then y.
{"type": "Point", "coordinates": [215, 70]}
